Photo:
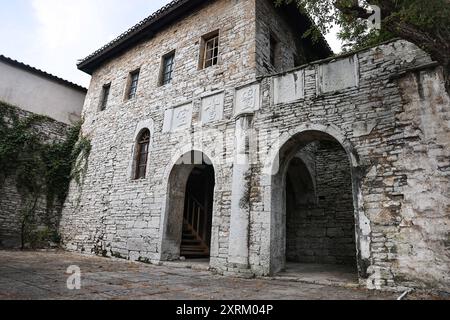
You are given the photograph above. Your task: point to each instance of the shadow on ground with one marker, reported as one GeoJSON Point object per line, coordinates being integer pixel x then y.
{"type": "Point", "coordinates": [42, 276]}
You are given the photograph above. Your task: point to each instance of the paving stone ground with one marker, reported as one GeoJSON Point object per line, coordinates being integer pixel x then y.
{"type": "Point", "coordinates": [42, 276]}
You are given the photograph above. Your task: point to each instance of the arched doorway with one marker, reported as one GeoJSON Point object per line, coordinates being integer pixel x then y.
{"type": "Point", "coordinates": [189, 209]}
{"type": "Point", "coordinates": [313, 212]}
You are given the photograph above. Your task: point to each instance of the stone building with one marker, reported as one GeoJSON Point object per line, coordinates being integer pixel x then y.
{"type": "Point", "coordinates": [216, 135]}
{"type": "Point", "coordinates": [29, 92]}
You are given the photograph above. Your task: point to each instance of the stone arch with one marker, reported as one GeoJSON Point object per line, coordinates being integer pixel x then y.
{"type": "Point", "coordinates": [271, 165]}
{"type": "Point", "coordinates": [274, 180]}
{"type": "Point", "coordinates": [182, 150]}
{"type": "Point", "coordinates": [177, 175]}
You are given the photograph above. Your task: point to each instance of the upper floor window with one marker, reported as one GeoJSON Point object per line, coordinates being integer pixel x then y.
{"type": "Point", "coordinates": [134, 80]}
{"type": "Point", "coordinates": [167, 68]}
{"type": "Point", "coordinates": [209, 50]}
{"type": "Point", "coordinates": [297, 61]}
{"type": "Point", "coordinates": [141, 158]}
{"type": "Point", "coordinates": [105, 96]}
{"type": "Point", "coordinates": [273, 44]}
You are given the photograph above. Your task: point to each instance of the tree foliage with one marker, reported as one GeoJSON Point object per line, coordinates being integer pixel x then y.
{"type": "Point", "coordinates": [425, 23]}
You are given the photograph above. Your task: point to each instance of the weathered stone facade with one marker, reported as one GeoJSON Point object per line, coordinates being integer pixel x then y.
{"type": "Point", "coordinates": [392, 123]}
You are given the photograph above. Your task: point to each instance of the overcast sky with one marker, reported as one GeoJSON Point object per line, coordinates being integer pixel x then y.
{"type": "Point", "coordinates": [53, 34]}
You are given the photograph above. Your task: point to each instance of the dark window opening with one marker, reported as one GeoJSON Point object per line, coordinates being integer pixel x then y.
{"type": "Point", "coordinates": [297, 61]}
{"type": "Point", "coordinates": [273, 43]}
{"type": "Point", "coordinates": [105, 96]}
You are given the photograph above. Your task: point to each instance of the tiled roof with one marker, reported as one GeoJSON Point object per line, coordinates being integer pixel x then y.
{"type": "Point", "coordinates": [147, 28]}
{"type": "Point", "coordinates": [39, 72]}
{"type": "Point", "coordinates": [138, 28]}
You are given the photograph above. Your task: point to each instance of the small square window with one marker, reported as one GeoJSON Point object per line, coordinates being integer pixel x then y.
{"type": "Point", "coordinates": [167, 68]}
{"type": "Point", "coordinates": [134, 80]}
{"type": "Point", "coordinates": [209, 55]}
{"type": "Point", "coordinates": [105, 96]}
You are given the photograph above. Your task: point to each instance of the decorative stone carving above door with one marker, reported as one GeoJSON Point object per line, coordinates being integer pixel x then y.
{"type": "Point", "coordinates": [247, 99]}
{"type": "Point", "coordinates": [178, 118]}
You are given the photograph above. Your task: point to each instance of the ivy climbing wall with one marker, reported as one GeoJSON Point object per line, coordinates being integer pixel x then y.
{"type": "Point", "coordinates": [36, 159]}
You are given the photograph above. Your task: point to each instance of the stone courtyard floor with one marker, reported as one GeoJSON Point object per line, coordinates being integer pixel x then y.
{"type": "Point", "coordinates": [42, 276]}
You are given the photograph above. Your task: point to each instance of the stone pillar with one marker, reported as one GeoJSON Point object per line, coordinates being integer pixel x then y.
{"type": "Point", "coordinates": [240, 206]}
{"type": "Point", "coordinates": [247, 102]}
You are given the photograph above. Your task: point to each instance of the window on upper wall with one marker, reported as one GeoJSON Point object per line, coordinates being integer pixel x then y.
{"type": "Point", "coordinates": [105, 96]}
{"type": "Point", "coordinates": [141, 157]}
{"type": "Point", "coordinates": [297, 61]}
{"type": "Point", "coordinates": [273, 44]}
{"type": "Point", "coordinates": [133, 84]}
{"type": "Point", "coordinates": [209, 50]}
{"type": "Point", "coordinates": [167, 68]}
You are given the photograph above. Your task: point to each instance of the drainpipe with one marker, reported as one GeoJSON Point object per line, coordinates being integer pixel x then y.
{"type": "Point", "coordinates": [405, 294]}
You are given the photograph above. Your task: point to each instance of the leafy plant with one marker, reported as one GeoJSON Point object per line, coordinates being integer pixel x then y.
{"type": "Point", "coordinates": [424, 23]}
{"type": "Point", "coordinates": [41, 169]}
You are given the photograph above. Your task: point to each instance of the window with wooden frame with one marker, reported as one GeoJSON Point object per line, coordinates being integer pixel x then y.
{"type": "Point", "coordinates": [141, 157]}
{"type": "Point", "coordinates": [209, 53]}
{"type": "Point", "coordinates": [168, 62]}
{"type": "Point", "coordinates": [133, 84]}
{"type": "Point", "coordinates": [105, 96]}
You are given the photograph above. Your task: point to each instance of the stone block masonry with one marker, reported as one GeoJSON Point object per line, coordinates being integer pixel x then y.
{"type": "Point", "coordinates": [12, 203]}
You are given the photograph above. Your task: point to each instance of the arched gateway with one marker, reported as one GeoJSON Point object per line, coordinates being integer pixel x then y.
{"type": "Point", "coordinates": [313, 204]}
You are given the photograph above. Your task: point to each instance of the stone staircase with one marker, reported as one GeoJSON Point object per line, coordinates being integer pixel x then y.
{"type": "Point", "coordinates": [192, 246]}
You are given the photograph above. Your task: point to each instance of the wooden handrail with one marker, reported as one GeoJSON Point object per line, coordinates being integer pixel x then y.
{"type": "Point", "coordinates": [191, 198]}
{"type": "Point", "coordinates": [196, 211]}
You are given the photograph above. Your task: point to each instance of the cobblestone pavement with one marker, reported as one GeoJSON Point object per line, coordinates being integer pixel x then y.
{"type": "Point", "coordinates": [42, 275]}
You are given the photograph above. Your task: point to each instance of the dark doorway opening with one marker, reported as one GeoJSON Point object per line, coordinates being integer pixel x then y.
{"type": "Point", "coordinates": [319, 207]}
{"type": "Point", "coordinates": [198, 213]}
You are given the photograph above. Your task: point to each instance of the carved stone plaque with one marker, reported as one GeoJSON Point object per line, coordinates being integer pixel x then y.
{"type": "Point", "coordinates": [178, 118]}
{"type": "Point", "coordinates": [338, 75]}
{"type": "Point", "coordinates": [247, 99]}
{"type": "Point", "coordinates": [289, 87]}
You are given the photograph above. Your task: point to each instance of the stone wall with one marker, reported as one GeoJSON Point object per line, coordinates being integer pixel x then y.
{"type": "Point", "coordinates": [12, 203]}
{"type": "Point", "coordinates": [411, 223]}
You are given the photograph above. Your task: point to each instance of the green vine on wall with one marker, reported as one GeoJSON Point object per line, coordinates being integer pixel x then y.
{"type": "Point", "coordinates": [41, 169]}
